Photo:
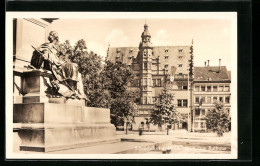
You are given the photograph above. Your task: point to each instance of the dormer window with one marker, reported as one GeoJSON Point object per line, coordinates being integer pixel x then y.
{"type": "Point", "coordinates": [180, 50]}
{"type": "Point", "coordinates": [180, 57]}
{"type": "Point", "coordinates": [166, 57]}
{"type": "Point", "coordinates": [130, 57]}
{"type": "Point", "coordinates": [130, 51]}
{"type": "Point", "coordinates": [166, 65]}
{"type": "Point", "coordinates": [118, 51]}
{"type": "Point", "coordinates": [166, 50]}
{"type": "Point", "coordinates": [179, 65]}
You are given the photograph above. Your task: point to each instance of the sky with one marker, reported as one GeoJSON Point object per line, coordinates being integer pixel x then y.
{"type": "Point", "coordinates": [212, 37]}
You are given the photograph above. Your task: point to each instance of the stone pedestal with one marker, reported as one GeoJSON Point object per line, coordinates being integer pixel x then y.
{"type": "Point", "coordinates": [51, 124]}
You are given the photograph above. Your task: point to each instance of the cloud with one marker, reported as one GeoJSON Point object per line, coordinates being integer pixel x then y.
{"type": "Point", "coordinates": [116, 38]}
{"type": "Point", "coordinates": [162, 38]}
{"type": "Point", "coordinates": [97, 48]}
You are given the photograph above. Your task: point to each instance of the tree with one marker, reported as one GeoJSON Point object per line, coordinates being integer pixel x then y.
{"type": "Point", "coordinates": [104, 85]}
{"type": "Point", "coordinates": [116, 76]}
{"type": "Point", "coordinates": [164, 111]}
{"type": "Point", "coordinates": [90, 67]}
{"type": "Point", "coordinates": [217, 119]}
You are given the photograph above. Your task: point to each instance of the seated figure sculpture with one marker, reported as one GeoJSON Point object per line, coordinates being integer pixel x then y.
{"type": "Point", "coordinates": [67, 80]}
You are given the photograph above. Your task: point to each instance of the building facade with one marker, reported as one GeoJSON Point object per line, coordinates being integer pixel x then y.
{"type": "Point", "coordinates": [211, 83]}
{"type": "Point", "coordinates": [153, 66]}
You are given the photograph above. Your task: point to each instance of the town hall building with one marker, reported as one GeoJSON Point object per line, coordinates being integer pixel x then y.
{"type": "Point", "coordinates": [154, 66]}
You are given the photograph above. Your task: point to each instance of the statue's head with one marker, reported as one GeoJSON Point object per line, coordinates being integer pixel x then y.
{"type": "Point", "coordinates": [53, 35]}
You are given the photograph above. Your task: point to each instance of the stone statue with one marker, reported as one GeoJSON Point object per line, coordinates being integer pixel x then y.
{"type": "Point", "coordinates": [67, 80]}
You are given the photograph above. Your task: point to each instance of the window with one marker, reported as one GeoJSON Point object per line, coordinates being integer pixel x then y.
{"type": "Point", "coordinates": [145, 66]}
{"type": "Point", "coordinates": [226, 88]}
{"type": "Point", "coordinates": [203, 88]}
{"type": "Point", "coordinates": [137, 82]}
{"type": "Point", "coordinates": [130, 57]}
{"type": "Point", "coordinates": [195, 124]}
{"type": "Point", "coordinates": [130, 51]}
{"type": "Point", "coordinates": [145, 81]}
{"type": "Point", "coordinates": [203, 99]}
{"type": "Point", "coordinates": [144, 52]}
{"type": "Point", "coordinates": [154, 82]}
{"type": "Point", "coordinates": [209, 99]}
{"type": "Point", "coordinates": [220, 88]}
{"type": "Point", "coordinates": [158, 82]}
{"type": "Point", "coordinates": [182, 103]}
{"type": "Point", "coordinates": [154, 99]}
{"type": "Point", "coordinates": [145, 100]}
{"type": "Point", "coordinates": [179, 103]}
{"type": "Point", "coordinates": [202, 111]}
{"type": "Point", "coordinates": [197, 112]}
{"type": "Point", "coordinates": [166, 57]}
{"type": "Point", "coordinates": [197, 88]}
{"type": "Point", "coordinates": [180, 50]}
{"type": "Point", "coordinates": [179, 86]}
{"type": "Point", "coordinates": [166, 65]}
{"type": "Point", "coordinates": [215, 88]}
{"type": "Point", "coordinates": [185, 87]}
{"type": "Point", "coordinates": [166, 50]}
{"type": "Point", "coordinates": [180, 57]}
{"type": "Point", "coordinates": [149, 100]}
{"type": "Point", "coordinates": [197, 99]}
{"type": "Point", "coordinates": [221, 99]}
{"type": "Point", "coordinates": [209, 88]}
{"type": "Point", "coordinates": [215, 98]}
{"type": "Point", "coordinates": [180, 74]}
{"type": "Point", "coordinates": [180, 65]}
{"type": "Point", "coordinates": [185, 103]}
{"type": "Point", "coordinates": [202, 125]}
{"type": "Point", "coordinates": [227, 99]}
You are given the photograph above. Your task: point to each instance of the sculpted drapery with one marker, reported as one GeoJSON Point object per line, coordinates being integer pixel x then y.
{"type": "Point", "coordinates": [67, 80]}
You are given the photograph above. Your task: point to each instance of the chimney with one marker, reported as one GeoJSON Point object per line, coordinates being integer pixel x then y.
{"type": "Point", "coordinates": [208, 63]}
{"type": "Point", "coordinates": [205, 63]}
{"type": "Point", "coordinates": [219, 64]}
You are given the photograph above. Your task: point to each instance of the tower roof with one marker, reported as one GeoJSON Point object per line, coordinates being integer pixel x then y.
{"type": "Point", "coordinates": [146, 32]}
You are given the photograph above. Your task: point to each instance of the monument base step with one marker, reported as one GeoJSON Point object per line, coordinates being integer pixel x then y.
{"type": "Point", "coordinates": [51, 137]}
{"type": "Point", "coordinates": [71, 146]}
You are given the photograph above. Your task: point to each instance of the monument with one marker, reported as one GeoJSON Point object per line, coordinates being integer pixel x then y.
{"type": "Point", "coordinates": [52, 113]}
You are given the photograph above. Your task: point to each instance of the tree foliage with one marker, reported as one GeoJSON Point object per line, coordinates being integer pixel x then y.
{"type": "Point", "coordinates": [217, 119]}
{"type": "Point", "coordinates": [164, 111]}
{"type": "Point", "coordinates": [116, 76]}
{"type": "Point", "coordinates": [105, 85]}
{"type": "Point", "coordinates": [90, 66]}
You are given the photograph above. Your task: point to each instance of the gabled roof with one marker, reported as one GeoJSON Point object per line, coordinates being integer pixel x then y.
{"type": "Point", "coordinates": [211, 73]}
